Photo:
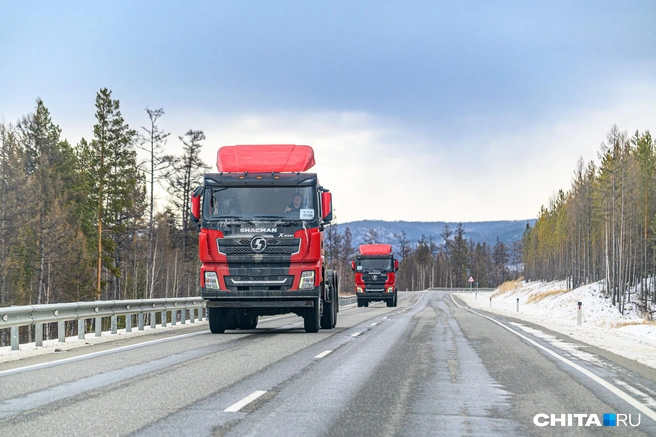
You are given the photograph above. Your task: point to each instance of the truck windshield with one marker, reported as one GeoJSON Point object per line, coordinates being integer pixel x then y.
{"type": "Point", "coordinates": [291, 203]}
{"type": "Point", "coordinates": [376, 264]}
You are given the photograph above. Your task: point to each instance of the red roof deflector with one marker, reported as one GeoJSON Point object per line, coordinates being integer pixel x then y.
{"type": "Point", "coordinates": [375, 249]}
{"type": "Point", "coordinates": [266, 158]}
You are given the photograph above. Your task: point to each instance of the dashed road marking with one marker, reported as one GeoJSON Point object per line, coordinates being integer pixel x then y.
{"type": "Point", "coordinates": [242, 403]}
{"type": "Point", "coordinates": [323, 354]}
{"type": "Point", "coordinates": [356, 334]}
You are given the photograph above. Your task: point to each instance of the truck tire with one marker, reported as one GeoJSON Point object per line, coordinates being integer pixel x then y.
{"type": "Point", "coordinates": [217, 320]}
{"type": "Point", "coordinates": [247, 321]}
{"type": "Point", "coordinates": [231, 321]}
{"type": "Point", "coordinates": [312, 318]}
{"type": "Point", "coordinates": [390, 302]}
{"type": "Point", "coordinates": [396, 299]}
{"type": "Point", "coordinates": [329, 315]}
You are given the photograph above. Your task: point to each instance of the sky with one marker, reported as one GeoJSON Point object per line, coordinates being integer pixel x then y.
{"type": "Point", "coordinates": [417, 110]}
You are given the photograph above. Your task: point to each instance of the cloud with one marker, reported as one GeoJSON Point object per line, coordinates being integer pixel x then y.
{"type": "Point", "coordinates": [381, 168]}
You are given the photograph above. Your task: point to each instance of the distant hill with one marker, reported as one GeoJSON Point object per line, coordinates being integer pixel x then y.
{"type": "Point", "coordinates": [507, 231]}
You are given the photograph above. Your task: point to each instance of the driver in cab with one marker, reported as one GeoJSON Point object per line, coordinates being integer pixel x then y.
{"type": "Point", "coordinates": [295, 205]}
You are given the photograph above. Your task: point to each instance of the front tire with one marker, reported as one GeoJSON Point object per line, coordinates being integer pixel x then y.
{"type": "Point", "coordinates": [312, 318]}
{"type": "Point", "coordinates": [247, 321]}
{"type": "Point", "coordinates": [217, 320]}
{"type": "Point", "coordinates": [329, 315]}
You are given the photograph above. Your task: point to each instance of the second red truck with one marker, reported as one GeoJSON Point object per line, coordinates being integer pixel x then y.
{"type": "Point", "coordinates": [375, 274]}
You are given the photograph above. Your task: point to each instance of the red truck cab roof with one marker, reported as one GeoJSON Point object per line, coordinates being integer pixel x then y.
{"type": "Point", "coordinates": [375, 249]}
{"type": "Point", "coordinates": [265, 158]}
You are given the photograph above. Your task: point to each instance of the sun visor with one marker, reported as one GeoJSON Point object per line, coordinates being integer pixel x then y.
{"type": "Point", "coordinates": [375, 249]}
{"type": "Point", "coordinates": [278, 158]}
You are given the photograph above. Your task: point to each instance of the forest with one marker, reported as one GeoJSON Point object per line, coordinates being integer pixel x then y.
{"type": "Point", "coordinates": [604, 227]}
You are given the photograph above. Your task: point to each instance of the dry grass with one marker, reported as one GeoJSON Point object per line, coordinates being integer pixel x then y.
{"type": "Point", "coordinates": [508, 286]}
{"type": "Point", "coordinates": [545, 294]}
{"type": "Point", "coordinates": [643, 322]}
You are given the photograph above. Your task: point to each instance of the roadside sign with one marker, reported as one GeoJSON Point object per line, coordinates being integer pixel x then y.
{"type": "Point", "coordinates": [471, 279]}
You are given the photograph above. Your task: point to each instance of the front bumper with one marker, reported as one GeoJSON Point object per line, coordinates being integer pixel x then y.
{"type": "Point", "coordinates": [260, 298]}
{"type": "Point", "coordinates": [376, 296]}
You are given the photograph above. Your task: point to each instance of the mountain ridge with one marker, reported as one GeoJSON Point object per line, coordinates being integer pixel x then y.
{"type": "Point", "coordinates": [507, 231]}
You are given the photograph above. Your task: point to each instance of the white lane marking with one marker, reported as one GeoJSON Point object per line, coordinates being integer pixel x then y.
{"type": "Point", "coordinates": [373, 324]}
{"type": "Point", "coordinates": [323, 354]}
{"type": "Point", "coordinates": [356, 334]}
{"type": "Point", "coordinates": [99, 354]}
{"type": "Point", "coordinates": [607, 385]}
{"type": "Point", "coordinates": [247, 400]}
{"type": "Point", "coordinates": [384, 318]}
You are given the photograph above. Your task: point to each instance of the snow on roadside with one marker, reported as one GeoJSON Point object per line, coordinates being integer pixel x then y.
{"type": "Point", "coordinates": [551, 305]}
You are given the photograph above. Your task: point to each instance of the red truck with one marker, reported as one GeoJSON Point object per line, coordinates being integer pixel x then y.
{"type": "Point", "coordinates": [261, 219]}
{"type": "Point", "coordinates": [375, 274]}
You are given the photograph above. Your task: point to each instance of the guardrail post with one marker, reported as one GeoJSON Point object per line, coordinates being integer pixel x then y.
{"type": "Point", "coordinates": [61, 331]}
{"type": "Point", "coordinates": [114, 324]}
{"type": "Point", "coordinates": [174, 316]}
{"type": "Point", "coordinates": [163, 319]}
{"type": "Point", "coordinates": [80, 329]}
{"type": "Point", "coordinates": [578, 315]}
{"type": "Point", "coordinates": [38, 335]}
{"type": "Point", "coordinates": [98, 327]}
{"type": "Point", "coordinates": [201, 316]}
{"type": "Point", "coordinates": [13, 331]}
{"type": "Point", "coordinates": [141, 322]}
{"type": "Point", "coordinates": [153, 320]}
{"type": "Point", "coordinates": [192, 315]}
{"type": "Point", "coordinates": [128, 323]}
{"type": "Point", "coordinates": [183, 317]}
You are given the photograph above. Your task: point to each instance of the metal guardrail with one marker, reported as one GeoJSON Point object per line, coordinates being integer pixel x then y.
{"type": "Point", "coordinates": [38, 315]}
{"type": "Point", "coordinates": [462, 289]}
{"type": "Point", "coordinates": [16, 316]}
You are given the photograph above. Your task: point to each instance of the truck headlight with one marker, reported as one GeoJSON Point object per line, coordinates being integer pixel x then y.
{"type": "Point", "coordinates": [211, 280]}
{"type": "Point", "coordinates": [307, 280]}
{"type": "Point", "coordinates": [390, 289]}
{"type": "Point", "coordinates": [358, 289]}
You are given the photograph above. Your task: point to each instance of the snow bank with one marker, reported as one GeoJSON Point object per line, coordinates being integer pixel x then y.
{"type": "Point", "coordinates": [551, 305]}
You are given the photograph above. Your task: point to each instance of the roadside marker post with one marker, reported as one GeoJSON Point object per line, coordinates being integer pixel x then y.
{"type": "Point", "coordinates": [578, 315]}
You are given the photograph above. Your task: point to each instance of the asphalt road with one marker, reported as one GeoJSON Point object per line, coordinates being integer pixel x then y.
{"type": "Point", "coordinates": [427, 367]}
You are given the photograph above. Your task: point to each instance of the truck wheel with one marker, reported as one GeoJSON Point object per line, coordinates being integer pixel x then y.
{"type": "Point", "coordinates": [312, 318]}
{"type": "Point", "coordinates": [329, 308]}
{"type": "Point", "coordinates": [396, 299]}
{"type": "Point", "coordinates": [247, 321]}
{"type": "Point", "coordinates": [231, 321]}
{"type": "Point", "coordinates": [390, 302]}
{"type": "Point", "coordinates": [360, 303]}
{"type": "Point", "coordinates": [336, 305]}
{"type": "Point", "coordinates": [365, 303]}
{"type": "Point", "coordinates": [217, 320]}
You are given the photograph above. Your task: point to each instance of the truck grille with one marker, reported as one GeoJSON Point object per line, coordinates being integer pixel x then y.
{"type": "Point", "coordinates": [274, 246]}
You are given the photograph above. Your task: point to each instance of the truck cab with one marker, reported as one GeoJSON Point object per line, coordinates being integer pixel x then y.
{"type": "Point", "coordinates": [261, 219]}
{"type": "Point", "coordinates": [375, 274]}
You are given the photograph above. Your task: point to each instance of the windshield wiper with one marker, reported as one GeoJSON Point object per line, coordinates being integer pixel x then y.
{"type": "Point", "coordinates": [272, 217]}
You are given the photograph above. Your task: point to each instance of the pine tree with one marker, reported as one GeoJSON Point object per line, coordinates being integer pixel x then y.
{"type": "Point", "coordinates": [112, 175]}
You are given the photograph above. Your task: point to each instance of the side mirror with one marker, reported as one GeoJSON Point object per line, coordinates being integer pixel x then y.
{"type": "Point", "coordinates": [396, 265]}
{"type": "Point", "coordinates": [353, 265]}
{"type": "Point", "coordinates": [327, 206]}
{"type": "Point", "coordinates": [195, 205]}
